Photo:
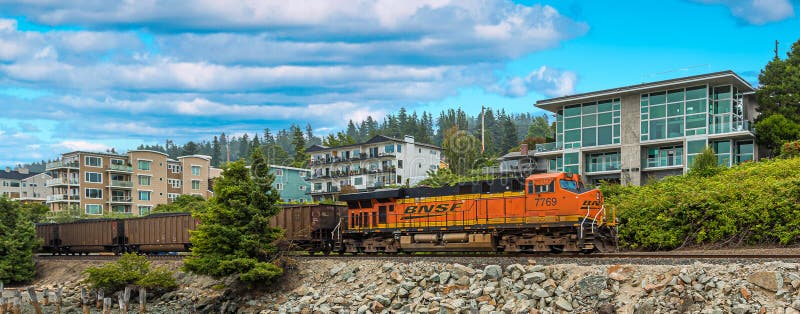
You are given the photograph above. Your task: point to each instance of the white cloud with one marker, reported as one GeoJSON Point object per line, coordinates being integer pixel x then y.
{"type": "Point", "coordinates": [544, 80]}
{"type": "Point", "coordinates": [7, 25]}
{"type": "Point", "coordinates": [757, 12]}
{"type": "Point", "coordinates": [73, 145]}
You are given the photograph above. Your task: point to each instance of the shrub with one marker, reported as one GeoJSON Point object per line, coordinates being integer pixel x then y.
{"type": "Point", "coordinates": [790, 149]}
{"type": "Point", "coordinates": [750, 203]}
{"type": "Point", "coordinates": [130, 269]}
{"type": "Point", "coordinates": [17, 240]}
{"type": "Point", "coordinates": [705, 164]}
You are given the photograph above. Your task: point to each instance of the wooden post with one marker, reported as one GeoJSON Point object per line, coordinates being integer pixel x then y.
{"type": "Point", "coordinates": [58, 300]}
{"type": "Point", "coordinates": [46, 297]}
{"type": "Point", "coordinates": [34, 300]}
{"type": "Point", "coordinates": [85, 301]}
{"type": "Point", "coordinates": [107, 306]}
{"type": "Point", "coordinates": [142, 300]}
{"type": "Point", "coordinates": [124, 299]}
{"type": "Point", "coordinates": [100, 297]}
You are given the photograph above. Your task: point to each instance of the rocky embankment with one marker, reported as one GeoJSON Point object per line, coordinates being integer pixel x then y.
{"type": "Point", "coordinates": [372, 286]}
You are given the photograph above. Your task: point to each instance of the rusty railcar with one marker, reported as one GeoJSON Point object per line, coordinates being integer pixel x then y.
{"type": "Point", "coordinates": [90, 236]}
{"type": "Point", "coordinates": [47, 233]}
{"type": "Point", "coordinates": [155, 233]}
{"type": "Point", "coordinates": [309, 226]}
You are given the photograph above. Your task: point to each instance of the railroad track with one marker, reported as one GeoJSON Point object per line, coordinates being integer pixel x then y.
{"type": "Point", "coordinates": [100, 257]}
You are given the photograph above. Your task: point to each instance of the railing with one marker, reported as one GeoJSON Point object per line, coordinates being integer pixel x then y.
{"type": "Point", "coordinates": [62, 181]}
{"type": "Point", "coordinates": [334, 160]}
{"type": "Point", "coordinates": [122, 168]}
{"type": "Point", "coordinates": [121, 184]}
{"type": "Point", "coordinates": [121, 199]}
{"type": "Point", "coordinates": [548, 147]}
{"type": "Point", "coordinates": [62, 197]}
{"type": "Point", "coordinates": [664, 162]}
{"type": "Point", "coordinates": [61, 164]}
{"type": "Point", "coordinates": [341, 174]}
{"type": "Point", "coordinates": [605, 166]}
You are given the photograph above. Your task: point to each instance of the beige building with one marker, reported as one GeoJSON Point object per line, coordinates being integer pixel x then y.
{"type": "Point", "coordinates": [24, 186]}
{"type": "Point", "coordinates": [135, 183]}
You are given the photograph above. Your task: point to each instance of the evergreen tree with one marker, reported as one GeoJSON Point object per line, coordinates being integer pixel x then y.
{"type": "Point", "coordinates": [461, 150]}
{"type": "Point", "coordinates": [299, 143]}
{"type": "Point", "coordinates": [244, 147]}
{"type": "Point", "coordinates": [190, 148]}
{"type": "Point", "coordinates": [540, 127]}
{"type": "Point", "coordinates": [216, 152]}
{"type": "Point", "coordinates": [352, 131]}
{"type": "Point", "coordinates": [223, 145]}
{"type": "Point", "coordinates": [269, 139]}
{"type": "Point", "coordinates": [18, 239]}
{"type": "Point", "coordinates": [235, 237]}
{"type": "Point", "coordinates": [779, 100]}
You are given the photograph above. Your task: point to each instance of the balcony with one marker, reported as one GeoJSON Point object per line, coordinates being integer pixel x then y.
{"type": "Point", "coordinates": [121, 199]}
{"type": "Point", "coordinates": [604, 166]}
{"type": "Point", "coordinates": [547, 147]}
{"type": "Point", "coordinates": [332, 189]}
{"type": "Point", "coordinates": [62, 165]}
{"type": "Point", "coordinates": [335, 160]}
{"type": "Point", "coordinates": [62, 181]}
{"type": "Point", "coordinates": [666, 161]}
{"type": "Point", "coordinates": [121, 184]}
{"type": "Point", "coordinates": [120, 168]}
{"type": "Point", "coordinates": [58, 198]}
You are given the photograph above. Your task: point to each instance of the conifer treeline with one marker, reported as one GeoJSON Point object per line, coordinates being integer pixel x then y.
{"type": "Point", "coordinates": [504, 132]}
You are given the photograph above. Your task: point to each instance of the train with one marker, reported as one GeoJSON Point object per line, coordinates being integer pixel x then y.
{"type": "Point", "coordinates": [546, 212]}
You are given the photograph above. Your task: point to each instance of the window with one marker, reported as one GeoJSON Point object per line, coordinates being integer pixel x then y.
{"type": "Point", "coordinates": [92, 161]}
{"type": "Point", "coordinates": [568, 184]}
{"type": "Point", "coordinates": [399, 148]}
{"type": "Point", "coordinates": [279, 186]}
{"type": "Point", "coordinates": [358, 180]}
{"type": "Point", "coordinates": [172, 196]}
{"type": "Point", "coordinates": [174, 168]}
{"type": "Point", "coordinates": [144, 195]}
{"type": "Point", "coordinates": [389, 148]}
{"type": "Point", "coordinates": [144, 180]}
{"type": "Point", "coordinates": [301, 187]}
{"type": "Point", "coordinates": [318, 186]}
{"type": "Point", "coordinates": [94, 209]}
{"type": "Point", "coordinates": [302, 174]}
{"type": "Point", "coordinates": [93, 177]}
{"type": "Point", "coordinates": [195, 170]}
{"type": "Point", "coordinates": [143, 165]}
{"type": "Point", "coordinates": [545, 188]}
{"type": "Point", "coordinates": [144, 210]}
{"type": "Point", "coordinates": [399, 179]}
{"type": "Point", "coordinates": [278, 172]}
{"type": "Point", "coordinates": [117, 162]}
{"type": "Point", "coordinates": [744, 151]}
{"type": "Point", "coordinates": [433, 152]}
{"type": "Point", "coordinates": [174, 183]}
{"type": "Point", "coordinates": [94, 193]}
{"type": "Point", "coordinates": [399, 164]}
{"type": "Point", "coordinates": [195, 184]}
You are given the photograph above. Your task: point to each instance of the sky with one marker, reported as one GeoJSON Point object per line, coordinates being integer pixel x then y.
{"type": "Point", "coordinates": [94, 75]}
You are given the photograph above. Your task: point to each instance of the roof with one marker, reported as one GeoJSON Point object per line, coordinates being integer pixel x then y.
{"type": "Point", "coordinates": [206, 157]}
{"type": "Point", "coordinates": [148, 151]}
{"type": "Point", "coordinates": [289, 168]}
{"type": "Point", "coordinates": [373, 140]}
{"type": "Point", "coordinates": [545, 103]}
{"type": "Point", "coordinates": [16, 175]}
{"type": "Point", "coordinates": [94, 153]}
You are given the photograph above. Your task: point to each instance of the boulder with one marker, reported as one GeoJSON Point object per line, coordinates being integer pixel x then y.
{"type": "Point", "coordinates": [534, 277]}
{"type": "Point", "coordinates": [444, 277]}
{"type": "Point", "coordinates": [769, 280]}
{"type": "Point", "coordinates": [563, 304]}
{"type": "Point", "coordinates": [592, 285]}
{"type": "Point", "coordinates": [493, 272]}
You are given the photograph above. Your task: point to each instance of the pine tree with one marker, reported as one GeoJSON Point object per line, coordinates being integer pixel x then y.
{"type": "Point", "coordinates": [244, 147]}
{"type": "Point", "coordinates": [216, 152]}
{"type": "Point", "coordinates": [299, 143]}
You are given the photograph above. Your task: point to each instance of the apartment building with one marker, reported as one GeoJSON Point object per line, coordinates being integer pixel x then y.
{"type": "Point", "coordinates": [291, 183]}
{"type": "Point", "coordinates": [22, 185]}
{"type": "Point", "coordinates": [636, 133]}
{"type": "Point", "coordinates": [134, 183]}
{"type": "Point", "coordinates": [379, 162]}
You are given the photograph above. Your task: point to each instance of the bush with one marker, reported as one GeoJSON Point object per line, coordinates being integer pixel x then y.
{"type": "Point", "coordinates": [705, 164]}
{"type": "Point", "coordinates": [790, 149]}
{"type": "Point", "coordinates": [130, 269]}
{"type": "Point", "coordinates": [750, 203]}
{"type": "Point", "coordinates": [17, 240]}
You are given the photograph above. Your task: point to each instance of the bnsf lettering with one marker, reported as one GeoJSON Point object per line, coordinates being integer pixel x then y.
{"type": "Point", "coordinates": [431, 208]}
{"type": "Point", "coordinates": [591, 203]}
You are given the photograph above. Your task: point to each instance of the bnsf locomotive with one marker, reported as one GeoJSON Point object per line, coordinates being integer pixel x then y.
{"type": "Point", "coordinates": [550, 212]}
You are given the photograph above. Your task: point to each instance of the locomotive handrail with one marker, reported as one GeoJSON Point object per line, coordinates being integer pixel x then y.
{"type": "Point", "coordinates": [584, 220]}
{"type": "Point", "coordinates": [602, 208]}
{"type": "Point", "coordinates": [335, 233]}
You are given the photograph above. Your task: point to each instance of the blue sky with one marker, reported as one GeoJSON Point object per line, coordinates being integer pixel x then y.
{"type": "Point", "coordinates": [92, 75]}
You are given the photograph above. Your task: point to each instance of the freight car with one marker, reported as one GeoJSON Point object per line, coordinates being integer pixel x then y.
{"type": "Point", "coordinates": [150, 234]}
{"type": "Point", "coordinates": [549, 212]}
{"type": "Point", "coordinates": [309, 227]}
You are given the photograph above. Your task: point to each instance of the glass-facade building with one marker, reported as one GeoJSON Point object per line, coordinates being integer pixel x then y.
{"type": "Point", "coordinates": [635, 133]}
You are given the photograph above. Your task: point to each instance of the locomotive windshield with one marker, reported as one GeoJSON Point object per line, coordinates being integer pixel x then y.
{"type": "Point", "coordinates": [569, 185]}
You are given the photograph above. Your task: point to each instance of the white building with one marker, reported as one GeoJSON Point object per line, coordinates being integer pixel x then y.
{"type": "Point", "coordinates": [379, 162]}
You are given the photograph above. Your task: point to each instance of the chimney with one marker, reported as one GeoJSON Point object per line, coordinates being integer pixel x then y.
{"type": "Point", "coordinates": [409, 139]}
{"type": "Point", "coordinates": [523, 149]}
{"type": "Point", "coordinates": [24, 170]}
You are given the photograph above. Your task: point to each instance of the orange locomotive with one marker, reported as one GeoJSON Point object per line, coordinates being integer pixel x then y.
{"type": "Point", "coordinates": [550, 212]}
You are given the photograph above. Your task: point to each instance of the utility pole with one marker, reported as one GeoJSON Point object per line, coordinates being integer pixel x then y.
{"type": "Point", "coordinates": [483, 129]}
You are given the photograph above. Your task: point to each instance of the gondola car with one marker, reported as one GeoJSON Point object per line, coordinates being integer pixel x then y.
{"type": "Point", "coordinates": [550, 212]}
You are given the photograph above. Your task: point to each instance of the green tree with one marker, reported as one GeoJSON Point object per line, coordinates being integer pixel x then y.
{"type": "Point", "coordinates": [776, 130]}
{"type": "Point", "coordinates": [182, 204]}
{"type": "Point", "coordinates": [235, 237]}
{"type": "Point", "coordinates": [17, 241]}
{"type": "Point", "coordinates": [190, 148]}
{"type": "Point", "coordinates": [461, 150]}
{"type": "Point", "coordinates": [540, 127]}
{"type": "Point", "coordinates": [299, 143]}
{"type": "Point", "coordinates": [779, 90]}
{"type": "Point", "coordinates": [705, 164]}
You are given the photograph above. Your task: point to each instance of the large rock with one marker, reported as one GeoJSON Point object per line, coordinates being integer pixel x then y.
{"type": "Point", "coordinates": [563, 304]}
{"type": "Point", "coordinates": [493, 271]}
{"type": "Point", "coordinates": [534, 277]}
{"type": "Point", "coordinates": [592, 285]}
{"type": "Point", "coordinates": [769, 280]}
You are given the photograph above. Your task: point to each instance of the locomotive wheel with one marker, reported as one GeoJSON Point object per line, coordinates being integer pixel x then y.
{"type": "Point", "coordinates": [326, 252]}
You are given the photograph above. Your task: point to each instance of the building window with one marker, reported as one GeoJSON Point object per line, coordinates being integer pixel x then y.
{"type": "Point", "coordinates": [93, 177]}
{"type": "Point", "coordinates": [279, 186]}
{"type": "Point", "coordinates": [358, 181]}
{"type": "Point", "coordinates": [195, 170]}
{"type": "Point", "coordinates": [399, 148]}
{"type": "Point", "coordinates": [117, 162]}
{"type": "Point", "coordinates": [399, 164]}
{"type": "Point", "coordinates": [389, 148]}
{"type": "Point", "coordinates": [144, 195]}
{"type": "Point", "coordinates": [303, 174]}
{"type": "Point", "coordinates": [144, 180]}
{"type": "Point", "coordinates": [94, 209]}
{"type": "Point", "coordinates": [94, 193]}
{"type": "Point", "coordinates": [723, 151]}
{"type": "Point", "coordinates": [317, 186]}
{"type": "Point", "coordinates": [143, 165]}
{"type": "Point", "coordinates": [195, 184]}
{"type": "Point", "coordinates": [675, 113]}
{"type": "Point", "coordinates": [278, 172]}
{"type": "Point", "coordinates": [92, 161]}
{"type": "Point", "coordinates": [172, 196]}
{"type": "Point", "coordinates": [693, 148]}
{"type": "Point", "coordinates": [664, 156]}
{"type": "Point", "coordinates": [433, 152]}
{"type": "Point", "coordinates": [175, 183]}
{"type": "Point", "coordinates": [301, 188]}
{"type": "Point", "coordinates": [602, 162]}
{"type": "Point", "coordinates": [744, 151]}
{"type": "Point", "coordinates": [144, 210]}
{"type": "Point", "coordinates": [399, 179]}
